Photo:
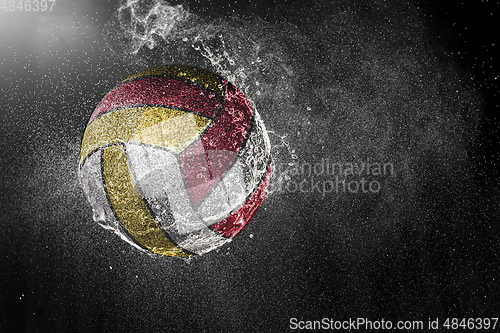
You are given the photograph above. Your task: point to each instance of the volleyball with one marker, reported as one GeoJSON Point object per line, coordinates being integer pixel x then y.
{"type": "Point", "coordinates": [175, 160]}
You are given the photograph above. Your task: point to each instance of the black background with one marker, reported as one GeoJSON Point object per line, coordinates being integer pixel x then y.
{"type": "Point", "coordinates": [433, 251]}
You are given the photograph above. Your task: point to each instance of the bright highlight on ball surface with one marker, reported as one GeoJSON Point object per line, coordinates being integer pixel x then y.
{"type": "Point", "coordinates": [175, 160]}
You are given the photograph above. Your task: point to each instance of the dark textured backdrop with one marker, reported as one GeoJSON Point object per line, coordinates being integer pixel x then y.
{"type": "Point", "coordinates": [413, 84]}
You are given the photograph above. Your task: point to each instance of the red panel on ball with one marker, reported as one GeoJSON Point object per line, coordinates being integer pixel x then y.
{"type": "Point", "coordinates": [161, 91]}
{"type": "Point", "coordinates": [233, 123]}
{"type": "Point", "coordinates": [236, 222]}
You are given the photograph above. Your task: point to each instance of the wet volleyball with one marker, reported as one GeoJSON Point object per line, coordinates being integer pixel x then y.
{"type": "Point", "coordinates": [175, 160]}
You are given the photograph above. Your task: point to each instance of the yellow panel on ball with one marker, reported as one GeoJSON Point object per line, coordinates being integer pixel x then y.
{"type": "Point", "coordinates": [164, 127]}
{"type": "Point", "coordinates": [130, 207]}
{"type": "Point", "coordinates": [114, 127]}
{"type": "Point", "coordinates": [170, 128]}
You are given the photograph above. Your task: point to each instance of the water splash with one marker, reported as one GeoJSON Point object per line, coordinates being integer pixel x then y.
{"type": "Point", "coordinates": [288, 160]}
{"type": "Point", "coordinates": [245, 52]}
{"type": "Point", "coordinates": [145, 21]}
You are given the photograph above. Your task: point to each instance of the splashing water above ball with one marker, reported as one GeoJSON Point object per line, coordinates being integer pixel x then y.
{"type": "Point", "coordinates": [175, 160]}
